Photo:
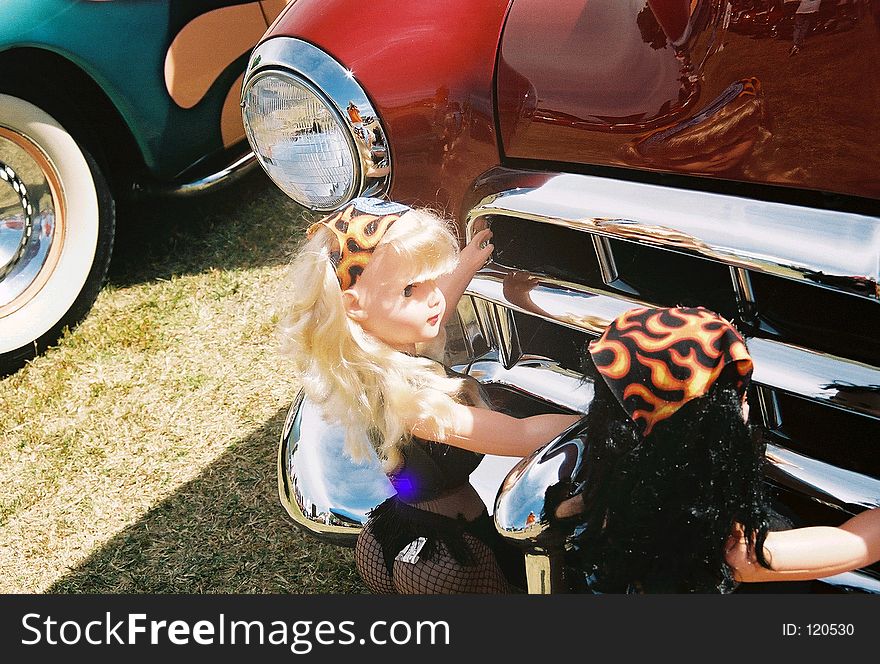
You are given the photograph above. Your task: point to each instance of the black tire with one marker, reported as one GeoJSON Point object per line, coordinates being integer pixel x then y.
{"type": "Point", "coordinates": [65, 221]}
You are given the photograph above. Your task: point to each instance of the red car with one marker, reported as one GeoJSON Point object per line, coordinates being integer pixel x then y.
{"type": "Point", "coordinates": [625, 152]}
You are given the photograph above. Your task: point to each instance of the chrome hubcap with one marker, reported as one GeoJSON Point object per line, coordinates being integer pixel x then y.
{"type": "Point", "coordinates": [31, 223]}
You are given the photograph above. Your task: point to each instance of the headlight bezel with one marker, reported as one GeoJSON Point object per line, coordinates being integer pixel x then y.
{"type": "Point", "coordinates": [336, 88]}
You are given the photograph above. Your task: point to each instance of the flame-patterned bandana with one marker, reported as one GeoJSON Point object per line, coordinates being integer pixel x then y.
{"type": "Point", "coordinates": [358, 227]}
{"type": "Point", "coordinates": [656, 360]}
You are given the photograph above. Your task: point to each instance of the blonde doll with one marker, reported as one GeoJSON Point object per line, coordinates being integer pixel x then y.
{"type": "Point", "coordinates": [371, 290]}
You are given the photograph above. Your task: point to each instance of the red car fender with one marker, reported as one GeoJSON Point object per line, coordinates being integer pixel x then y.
{"type": "Point", "coordinates": [429, 74]}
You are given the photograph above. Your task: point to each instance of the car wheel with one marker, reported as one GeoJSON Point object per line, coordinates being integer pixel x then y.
{"type": "Point", "coordinates": [57, 221]}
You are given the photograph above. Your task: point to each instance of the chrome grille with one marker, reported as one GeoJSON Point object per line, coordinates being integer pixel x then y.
{"type": "Point", "coordinates": [579, 250]}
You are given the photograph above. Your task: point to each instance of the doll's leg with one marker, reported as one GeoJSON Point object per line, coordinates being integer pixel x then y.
{"type": "Point", "coordinates": [441, 574]}
{"type": "Point", "coordinates": [370, 563]}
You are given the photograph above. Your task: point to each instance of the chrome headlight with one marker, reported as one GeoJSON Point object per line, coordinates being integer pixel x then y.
{"type": "Point", "coordinates": [311, 126]}
{"type": "Point", "coordinates": [300, 141]}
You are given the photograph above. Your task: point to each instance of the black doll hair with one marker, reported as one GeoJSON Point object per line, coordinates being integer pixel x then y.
{"type": "Point", "coordinates": [660, 509]}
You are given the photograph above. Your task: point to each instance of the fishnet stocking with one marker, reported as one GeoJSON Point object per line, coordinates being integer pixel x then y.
{"type": "Point", "coordinates": [371, 564]}
{"type": "Point", "coordinates": [438, 574]}
{"type": "Point", "coordinates": [442, 575]}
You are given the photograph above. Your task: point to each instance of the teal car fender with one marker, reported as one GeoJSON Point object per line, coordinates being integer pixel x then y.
{"type": "Point", "coordinates": [101, 99]}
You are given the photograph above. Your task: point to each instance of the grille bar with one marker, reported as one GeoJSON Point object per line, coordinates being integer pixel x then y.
{"type": "Point", "coordinates": [831, 380]}
{"type": "Point", "coordinates": [835, 250]}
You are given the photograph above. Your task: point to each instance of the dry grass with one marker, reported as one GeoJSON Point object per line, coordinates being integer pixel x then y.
{"type": "Point", "coordinates": [138, 456]}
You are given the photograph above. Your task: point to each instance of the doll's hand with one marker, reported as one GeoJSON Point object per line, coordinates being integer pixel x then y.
{"type": "Point", "coordinates": [739, 556]}
{"type": "Point", "coordinates": [477, 253]}
{"type": "Point", "coordinates": [474, 256]}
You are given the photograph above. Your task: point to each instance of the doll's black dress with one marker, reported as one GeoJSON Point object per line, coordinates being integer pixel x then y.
{"type": "Point", "coordinates": [430, 471]}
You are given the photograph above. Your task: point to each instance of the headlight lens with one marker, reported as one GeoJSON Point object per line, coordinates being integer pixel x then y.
{"type": "Point", "coordinates": [301, 141]}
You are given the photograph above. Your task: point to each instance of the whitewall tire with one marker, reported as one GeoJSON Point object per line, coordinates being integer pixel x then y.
{"type": "Point", "coordinates": [57, 221]}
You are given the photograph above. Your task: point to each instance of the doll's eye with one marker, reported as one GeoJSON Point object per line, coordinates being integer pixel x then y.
{"type": "Point", "coordinates": [407, 292]}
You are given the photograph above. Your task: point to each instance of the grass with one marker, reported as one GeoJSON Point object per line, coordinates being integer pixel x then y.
{"type": "Point", "coordinates": [138, 456]}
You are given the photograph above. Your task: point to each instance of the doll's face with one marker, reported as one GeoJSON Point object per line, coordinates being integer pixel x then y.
{"type": "Point", "coordinates": [388, 305]}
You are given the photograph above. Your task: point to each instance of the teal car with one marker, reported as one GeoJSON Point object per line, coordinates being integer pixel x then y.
{"type": "Point", "coordinates": [102, 99]}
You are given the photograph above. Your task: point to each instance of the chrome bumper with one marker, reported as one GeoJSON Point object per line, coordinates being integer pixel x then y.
{"type": "Point", "coordinates": [322, 490]}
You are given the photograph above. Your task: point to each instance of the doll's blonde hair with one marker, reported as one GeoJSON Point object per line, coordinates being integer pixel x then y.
{"type": "Point", "coordinates": [359, 381]}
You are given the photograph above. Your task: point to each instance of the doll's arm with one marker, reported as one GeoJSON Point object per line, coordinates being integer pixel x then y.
{"type": "Point", "coordinates": [811, 553]}
{"type": "Point", "coordinates": [471, 259]}
{"type": "Point", "coordinates": [491, 432]}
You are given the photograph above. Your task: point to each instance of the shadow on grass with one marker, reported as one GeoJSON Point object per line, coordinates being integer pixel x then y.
{"type": "Point", "coordinates": [249, 223]}
{"type": "Point", "coordinates": [223, 532]}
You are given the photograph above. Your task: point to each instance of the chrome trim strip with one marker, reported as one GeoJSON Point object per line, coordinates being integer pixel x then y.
{"type": "Point", "coordinates": [539, 378]}
{"type": "Point", "coordinates": [543, 379]}
{"type": "Point", "coordinates": [742, 285]}
{"type": "Point", "coordinates": [504, 331]}
{"type": "Point", "coordinates": [835, 250]}
{"type": "Point", "coordinates": [300, 59]}
{"type": "Point", "coordinates": [555, 300]}
{"type": "Point", "coordinates": [858, 581]}
{"type": "Point", "coordinates": [744, 293]}
{"type": "Point", "coordinates": [227, 175]}
{"type": "Point", "coordinates": [831, 380]}
{"type": "Point", "coordinates": [823, 482]}
{"type": "Point", "coordinates": [484, 311]}
{"type": "Point", "coordinates": [771, 414]}
{"type": "Point", "coordinates": [472, 330]}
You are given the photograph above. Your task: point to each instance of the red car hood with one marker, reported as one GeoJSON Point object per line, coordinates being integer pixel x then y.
{"type": "Point", "coordinates": [677, 86]}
